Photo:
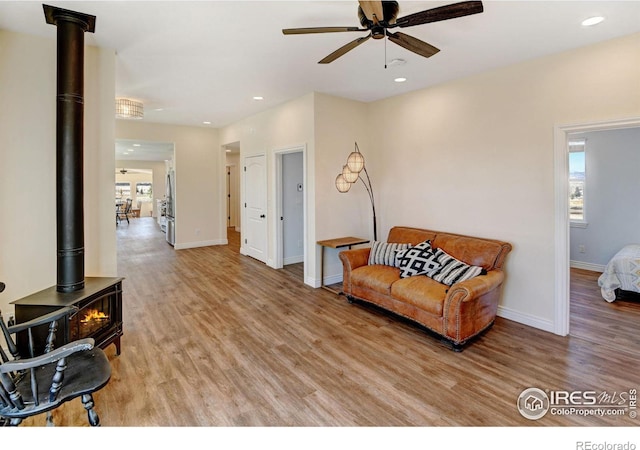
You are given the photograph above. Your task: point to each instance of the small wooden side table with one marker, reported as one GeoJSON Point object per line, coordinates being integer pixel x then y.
{"type": "Point", "coordinates": [336, 243]}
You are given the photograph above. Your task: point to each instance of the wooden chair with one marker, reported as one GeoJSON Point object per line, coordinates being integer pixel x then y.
{"type": "Point", "coordinates": [124, 213]}
{"type": "Point", "coordinates": [35, 384]}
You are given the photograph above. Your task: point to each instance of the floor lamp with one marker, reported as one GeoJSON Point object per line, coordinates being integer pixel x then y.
{"type": "Point", "coordinates": [351, 174]}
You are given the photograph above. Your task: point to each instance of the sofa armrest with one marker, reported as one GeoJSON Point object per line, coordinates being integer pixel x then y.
{"type": "Point", "coordinates": [471, 306]}
{"type": "Point", "coordinates": [351, 260]}
{"type": "Point", "coordinates": [355, 258]}
{"type": "Point", "coordinates": [475, 287]}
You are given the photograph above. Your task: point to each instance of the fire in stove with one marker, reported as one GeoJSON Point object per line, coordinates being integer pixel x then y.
{"type": "Point", "coordinates": [90, 321]}
{"type": "Point", "coordinates": [94, 314]}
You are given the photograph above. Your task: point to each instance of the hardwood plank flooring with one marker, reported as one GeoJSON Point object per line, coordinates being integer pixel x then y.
{"type": "Point", "coordinates": [216, 339]}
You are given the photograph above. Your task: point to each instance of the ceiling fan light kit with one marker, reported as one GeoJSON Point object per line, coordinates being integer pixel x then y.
{"type": "Point", "coordinates": [377, 17]}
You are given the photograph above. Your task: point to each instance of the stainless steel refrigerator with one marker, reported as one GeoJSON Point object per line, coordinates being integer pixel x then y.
{"type": "Point", "coordinates": [170, 211]}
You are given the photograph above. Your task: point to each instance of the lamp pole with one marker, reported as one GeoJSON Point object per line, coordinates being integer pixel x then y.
{"type": "Point", "coordinates": [369, 189]}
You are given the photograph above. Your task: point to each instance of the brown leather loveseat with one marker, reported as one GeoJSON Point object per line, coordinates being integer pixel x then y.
{"type": "Point", "coordinates": [457, 312]}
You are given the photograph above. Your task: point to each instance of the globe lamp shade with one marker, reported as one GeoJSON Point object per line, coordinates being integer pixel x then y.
{"type": "Point", "coordinates": [355, 161]}
{"type": "Point", "coordinates": [349, 176]}
{"type": "Point", "coordinates": [342, 185]}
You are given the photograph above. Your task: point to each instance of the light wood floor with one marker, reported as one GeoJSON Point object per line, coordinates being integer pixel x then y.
{"type": "Point", "coordinates": [214, 338]}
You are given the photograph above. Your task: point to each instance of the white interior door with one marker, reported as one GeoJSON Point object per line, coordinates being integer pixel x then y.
{"type": "Point", "coordinates": [254, 234]}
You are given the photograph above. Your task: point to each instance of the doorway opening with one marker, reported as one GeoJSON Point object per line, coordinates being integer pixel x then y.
{"type": "Point", "coordinates": [141, 175]}
{"type": "Point", "coordinates": [291, 210]}
{"type": "Point", "coordinates": [562, 135]}
{"type": "Point", "coordinates": [232, 194]}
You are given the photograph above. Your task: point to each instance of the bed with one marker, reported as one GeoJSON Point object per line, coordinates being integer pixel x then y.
{"type": "Point", "coordinates": [621, 272]}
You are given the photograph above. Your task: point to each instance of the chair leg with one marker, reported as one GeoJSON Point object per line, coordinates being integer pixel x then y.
{"type": "Point", "coordinates": [14, 422]}
{"type": "Point", "coordinates": [92, 415]}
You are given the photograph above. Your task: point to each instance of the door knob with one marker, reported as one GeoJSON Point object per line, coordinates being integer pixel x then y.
{"type": "Point", "coordinates": [262, 216]}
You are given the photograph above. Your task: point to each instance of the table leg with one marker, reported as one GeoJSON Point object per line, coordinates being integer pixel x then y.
{"type": "Point", "coordinates": [322, 274]}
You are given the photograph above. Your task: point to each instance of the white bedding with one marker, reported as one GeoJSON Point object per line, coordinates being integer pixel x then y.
{"type": "Point", "coordinates": [622, 272]}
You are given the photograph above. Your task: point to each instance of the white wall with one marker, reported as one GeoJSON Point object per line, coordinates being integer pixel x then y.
{"type": "Point", "coordinates": [476, 156]}
{"type": "Point", "coordinates": [328, 127]}
{"type": "Point", "coordinates": [198, 170]}
{"type": "Point", "coordinates": [288, 125]}
{"type": "Point", "coordinates": [613, 190]}
{"type": "Point", "coordinates": [339, 124]}
{"type": "Point", "coordinates": [28, 149]}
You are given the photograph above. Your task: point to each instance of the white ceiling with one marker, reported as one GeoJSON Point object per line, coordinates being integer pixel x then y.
{"type": "Point", "coordinates": [203, 61]}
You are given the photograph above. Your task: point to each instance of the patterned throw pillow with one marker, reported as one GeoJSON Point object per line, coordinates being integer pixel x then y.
{"type": "Point", "coordinates": [418, 260]}
{"type": "Point", "coordinates": [452, 270]}
{"type": "Point", "coordinates": [385, 252]}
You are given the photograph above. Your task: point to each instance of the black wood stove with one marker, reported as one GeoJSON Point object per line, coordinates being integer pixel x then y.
{"type": "Point", "coordinates": [98, 299]}
{"type": "Point", "coordinates": [99, 313]}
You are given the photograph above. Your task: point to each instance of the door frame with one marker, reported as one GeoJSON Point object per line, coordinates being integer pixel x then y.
{"type": "Point", "coordinates": [277, 262]}
{"type": "Point", "coordinates": [562, 237]}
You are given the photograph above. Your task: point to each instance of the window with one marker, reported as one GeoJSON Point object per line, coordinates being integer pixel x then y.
{"type": "Point", "coordinates": [144, 192]}
{"type": "Point", "coordinates": [577, 181]}
{"type": "Point", "coordinates": [123, 191]}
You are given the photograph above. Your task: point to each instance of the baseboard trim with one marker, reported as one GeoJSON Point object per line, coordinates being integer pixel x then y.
{"type": "Point", "coordinates": [526, 319]}
{"type": "Point", "coordinates": [586, 266]}
{"type": "Point", "coordinates": [200, 244]}
{"type": "Point", "coordinates": [333, 279]}
{"type": "Point", "coordinates": [293, 260]}
{"type": "Point", "coordinates": [310, 281]}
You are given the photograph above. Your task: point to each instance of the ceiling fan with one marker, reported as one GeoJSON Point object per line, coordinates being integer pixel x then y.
{"type": "Point", "coordinates": [378, 17]}
{"type": "Point", "coordinates": [123, 171]}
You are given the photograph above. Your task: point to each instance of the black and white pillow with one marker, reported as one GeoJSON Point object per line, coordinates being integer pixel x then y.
{"type": "Point", "coordinates": [452, 270]}
{"type": "Point", "coordinates": [385, 252]}
{"type": "Point", "coordinates": [418, 260]}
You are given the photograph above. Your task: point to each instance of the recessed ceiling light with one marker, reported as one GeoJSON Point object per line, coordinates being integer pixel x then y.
{"type": "Point", "coordinates": [136, 145]}
{"type": "Point", "coordinates": [591, 21]}
{"type": "Point", "coordinates": [400, 80]}
{"type": "Point", "coordinates": [159, 109]}
{"type": "Point", "coordinates": [206, 122]}
{"type": "Point", "coordinates": [257, 97]}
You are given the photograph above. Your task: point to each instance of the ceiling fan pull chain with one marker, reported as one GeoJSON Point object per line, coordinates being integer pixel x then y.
{"type": "Point", "coordinates": [385, 50]}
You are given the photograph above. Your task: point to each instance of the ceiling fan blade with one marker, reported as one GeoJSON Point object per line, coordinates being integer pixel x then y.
{"type": "Point", "coordinates": [371, 9]}
{"type": "Point", "coordinates": [342, 50]}
{"type": "Point", "coordinates": [441, 13]}
{"type": "Point", "coordinates": [320, 30]}
{"type": "Point", "coordinates": [413, 44]}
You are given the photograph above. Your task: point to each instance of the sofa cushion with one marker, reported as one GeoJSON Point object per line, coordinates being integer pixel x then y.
{"type": "Point", "coordinates": [452, 270]}
{"type": "Point", "coordinates": [421, 292]}
{"type": "Point", "coordinates": [418, 260]}
{"type": "Point", "coordinates": [376, 277]}
{"type": "Point", "coordinates": [385, 252]}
